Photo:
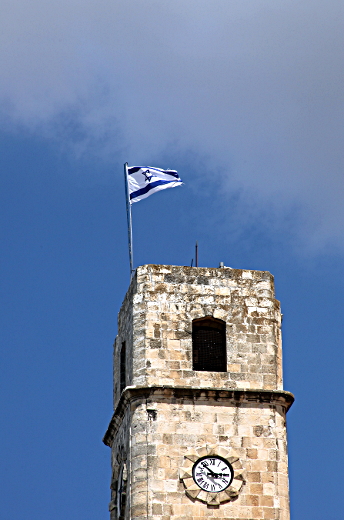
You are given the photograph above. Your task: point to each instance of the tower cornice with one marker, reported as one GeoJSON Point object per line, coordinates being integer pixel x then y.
{"type": "Point", "coordinates": [137, 394]}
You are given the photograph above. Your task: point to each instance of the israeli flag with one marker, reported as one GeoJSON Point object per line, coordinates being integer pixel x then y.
{"type": "Point", "coordinates": [145, 180]}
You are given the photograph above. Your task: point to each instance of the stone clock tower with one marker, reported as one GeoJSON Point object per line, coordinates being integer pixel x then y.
{"type": "Point", "coordinates": [199, 423]}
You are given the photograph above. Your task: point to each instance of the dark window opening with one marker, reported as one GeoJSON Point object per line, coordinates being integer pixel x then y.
{"type": "Point", "coordinates": [122, 383]}
{"type": "Point", "coordinates": [209, 345]}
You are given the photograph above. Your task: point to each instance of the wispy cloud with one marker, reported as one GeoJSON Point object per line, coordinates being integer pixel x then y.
{"type": "Point", "coordinates": [256, 86]}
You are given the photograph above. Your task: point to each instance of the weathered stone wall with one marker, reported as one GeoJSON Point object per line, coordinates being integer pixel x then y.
{"type": "Point", "coordinates": [168, 409]}
{"type": "Point", "coordinates": [164, 427]}
{"type": "Point", "coordinates": [125, 334]}
{"type": "Point", "coordinates": [156, 323]}
{"type": "Point", "coordinates": [120, 454]}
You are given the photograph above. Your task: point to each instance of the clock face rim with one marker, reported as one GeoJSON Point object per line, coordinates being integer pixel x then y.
{"type": "Point", "coordinates": [228, 464]}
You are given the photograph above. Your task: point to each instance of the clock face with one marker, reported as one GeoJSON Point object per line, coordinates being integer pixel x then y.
{"type": "Point", "coordinates": [212, 473]}
{"type": "Point", "coordinates": [121, 491]}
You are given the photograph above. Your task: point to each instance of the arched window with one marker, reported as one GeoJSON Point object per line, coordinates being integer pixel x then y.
{"type": "Point", "coordinates": [209, 345]}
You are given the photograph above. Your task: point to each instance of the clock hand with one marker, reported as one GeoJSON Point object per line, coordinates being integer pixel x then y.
{"type": "Point", "coordinates": [218, 475]}
{"type": "Point", "coordinates": [214, 475]}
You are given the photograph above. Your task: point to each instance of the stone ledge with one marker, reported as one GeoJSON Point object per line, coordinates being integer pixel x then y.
{"type": "Point", "coordinates": [204, 395]}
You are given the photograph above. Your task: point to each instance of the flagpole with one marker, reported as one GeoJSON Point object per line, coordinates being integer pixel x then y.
{"type": "Point", "coordinates": [129, 219]}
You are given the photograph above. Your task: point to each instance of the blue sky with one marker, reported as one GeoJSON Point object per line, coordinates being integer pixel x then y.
{"type": "Point", "coordinates": [245, 100]}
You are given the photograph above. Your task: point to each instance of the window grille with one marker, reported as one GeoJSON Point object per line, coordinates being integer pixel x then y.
{"type": "Point", "coordinates": [209, 345]}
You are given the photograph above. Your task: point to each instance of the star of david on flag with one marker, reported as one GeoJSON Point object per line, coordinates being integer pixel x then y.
{"type": "Point", "coordinates": [145, 180]}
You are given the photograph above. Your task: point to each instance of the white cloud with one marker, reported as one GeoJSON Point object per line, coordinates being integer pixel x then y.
{"type": "Point", "coordinates": [255, 85]}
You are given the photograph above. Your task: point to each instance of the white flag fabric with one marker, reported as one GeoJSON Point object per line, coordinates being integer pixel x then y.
{"type": "Point", "coordinates": [145, 180]}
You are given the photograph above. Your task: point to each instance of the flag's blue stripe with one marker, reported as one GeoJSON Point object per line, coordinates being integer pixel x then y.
{"type": "Point", "coordinates": [147, 188]}
{"type": "Point", "coordinates": [134, 169]}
